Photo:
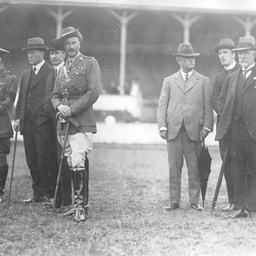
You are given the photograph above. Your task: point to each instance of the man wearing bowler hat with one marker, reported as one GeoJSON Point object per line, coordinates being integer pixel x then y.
{"type": "Point", "coordinates": [237, 124]}
{"type": "Point", "coordinates": [31, 100]}
{"type": "Point", "coordinates": [8, 90]}
{"type": "Point", "coordinates": [52, 149]}
{"type": "Point", "coordinates": [185, 118]}
{"type": "Point", "coordinates": [227, 60]}
{"type": "Point", "coordinates": [77, 88]}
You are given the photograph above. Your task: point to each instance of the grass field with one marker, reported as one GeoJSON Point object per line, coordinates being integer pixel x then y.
{"type": "Point", "coordinates": [128, 190]}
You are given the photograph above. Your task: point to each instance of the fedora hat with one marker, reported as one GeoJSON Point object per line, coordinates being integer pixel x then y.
{"type": "Point", "coordinates": [53, 46]}
{"type": "Point", "coordinates": [225, 43]}
{"type": "Point", "coordinates": [246, 43]}
{"type": "Point", "coordinates": [35, 43]}
{"type": "Point", "coordinates": [67, 33]}
{"type": "Point", "coordinates": [186, 50]}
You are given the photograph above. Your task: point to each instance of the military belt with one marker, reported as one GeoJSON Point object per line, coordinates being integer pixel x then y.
{"type": "Point", "coordinates": [65, 95]}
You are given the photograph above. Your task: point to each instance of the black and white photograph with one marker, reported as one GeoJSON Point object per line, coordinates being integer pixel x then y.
{"type": "Point", "coordinates": [127, 128]}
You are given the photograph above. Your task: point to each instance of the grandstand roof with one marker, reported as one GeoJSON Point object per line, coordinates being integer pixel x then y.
{"type": "Point", "coordinates": [210, 6]}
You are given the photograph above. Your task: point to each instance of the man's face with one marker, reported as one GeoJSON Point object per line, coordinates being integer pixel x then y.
{"type": "Point", "coordinates": [246, 57]}
{"type": "Point", "coordinates": [187, 64]}
{"type": "Point", "coordinates": [72, 46]}
{"type": "Point", "coordinates": [57, 57]}
{"type": "Point", "coordinates": [35, 56]}
{"type": "Point", "coordinates": [226, 56]}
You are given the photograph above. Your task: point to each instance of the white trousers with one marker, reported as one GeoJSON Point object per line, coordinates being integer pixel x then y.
{"type": "Point", "coordinates": [77, 148]}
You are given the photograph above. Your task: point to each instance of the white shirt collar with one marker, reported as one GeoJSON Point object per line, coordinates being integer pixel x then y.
{"type": "Point", "coordinates": [38, 66]}
{"type": "Point", "coordinates": [231, 66]}
{"type": "Point", "coordinates": [184, 74]}
{"type": "Point", "coordinates": [59, 66]}
{"type": "Point", "coordinates": [251, 66]}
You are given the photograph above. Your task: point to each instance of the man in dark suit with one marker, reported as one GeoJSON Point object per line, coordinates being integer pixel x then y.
{"type": "Point", "coordinates": [52, 149]}
{"type": "Point", "coordinates": [237, 106]}
{"type": "Point", "coordinates": [227, 59]}
{"type": "Point", "coordinates": [77, 88]}
{"type": "Point", "coordinates": [31, 99]}
{"type": "Point", "coordinates": [185, 117]}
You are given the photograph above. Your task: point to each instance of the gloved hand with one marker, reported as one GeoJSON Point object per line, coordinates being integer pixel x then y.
{"type": "Point", "coordinates": [203, 134]}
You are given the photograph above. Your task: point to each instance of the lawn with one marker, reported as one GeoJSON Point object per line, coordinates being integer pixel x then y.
{"type": "Point", "coordinates": [128, 190]}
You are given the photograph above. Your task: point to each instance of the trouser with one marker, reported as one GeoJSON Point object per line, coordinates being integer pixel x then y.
{"type": "Point", "coordinates": [183, 146]}
{"type": "Point", "coordinates": [33, 145]}
{"type": "Point", "coordinates": [5, 146]}
{"type": "Point", "coordinates": [243, 157]}
{"type": "Point", "coordinates": [227, 172]}
{"type": "Point", "coordinates": [50, 157]}
{"type": "Point", "coordinates": [77, 148]}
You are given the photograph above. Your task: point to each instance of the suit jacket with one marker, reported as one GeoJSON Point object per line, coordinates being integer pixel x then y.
{"type": "Point", "coordinates": [227, 100]}
{"type": "Point", "coordinates": [218, 84]}
{"type": "Point", "coordinates": [47, 111]}
{"type": "Point", "coordinates": [190, 103]}
{"type": "Point", "coordinates": [37, 93]}
{"type": "Point", "coordinates": [83, 76]}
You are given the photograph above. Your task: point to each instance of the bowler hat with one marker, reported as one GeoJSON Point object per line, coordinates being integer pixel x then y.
{"type": "Point", "coordinates": [225, 43]}
{"type": "Point", "coordinates": [67, 33]}
{"type": "Point", "coordinates": [186, 50]}
{"type": "Point", "coordinates": [53, 46]}
{"type": "Point", "coordinates": [35, 43]}
{"type": "Point", "coordinates": [246, 43]}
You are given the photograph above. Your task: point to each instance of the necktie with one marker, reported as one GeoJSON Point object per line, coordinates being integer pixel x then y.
{"type": "Point", "coordinates": [55, 73]}
{"type": "Point", "coordinates": [186, 78]}
{"type": "Point", "coordinates": [34, 69]}
{"type": "Point", "coordinates": [245, 72]}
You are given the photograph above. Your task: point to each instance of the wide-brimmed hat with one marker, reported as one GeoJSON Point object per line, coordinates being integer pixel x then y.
{"type": "Point", "coordinates": [35, 43]}
{"type": "Point", "coordinates": [53, 46]}
{"type": "Point", "coordinates": [225, 43]}
{"type": "Point", "coordinates": [186, 50]}
{"type": "Point", "coordinates": [3, 51]}
{"type": "Point", "coordinates": [246, 43]}
{"type": "Point", "coordinates": [67, 33]}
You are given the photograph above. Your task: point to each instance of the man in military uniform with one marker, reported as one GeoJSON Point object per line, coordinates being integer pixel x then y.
{"type": "Point", "coordinates": [76, 89]}
{"type": "Point", "coordinates": [8, 89]}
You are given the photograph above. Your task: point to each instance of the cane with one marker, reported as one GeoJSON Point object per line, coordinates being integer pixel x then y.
{"type": "Point", "coordinates": [13, 161]}
{"type": "Point", "coordinates": [60, 167]}
{"type": "Point", "coordinates": [225, 162]}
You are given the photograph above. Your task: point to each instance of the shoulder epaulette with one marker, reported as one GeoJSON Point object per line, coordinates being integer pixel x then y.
{"type": "Point", "coordinates": [87, 57]}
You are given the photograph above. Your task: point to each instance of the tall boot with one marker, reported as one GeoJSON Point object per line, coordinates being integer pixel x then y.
{"type": "Point", "coordinates": [78, 183]}
{"type": "Point", "coordinates": [3, 177]}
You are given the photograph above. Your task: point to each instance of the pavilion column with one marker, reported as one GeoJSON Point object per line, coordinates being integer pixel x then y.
{"type": "Point", "coordinates": [186, 22]}
{"type": "Point", "coordinates": [247, 24]}
{"type": "Point", "coordinates": [59, 17]}
{"type": "Point", "coordinates": [124, 20]}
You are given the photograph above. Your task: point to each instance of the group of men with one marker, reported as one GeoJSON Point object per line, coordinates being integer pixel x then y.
{"type": "Point", "coordinates": [55, 116]}
{"type": "Point", "coordinates": [185, 118]}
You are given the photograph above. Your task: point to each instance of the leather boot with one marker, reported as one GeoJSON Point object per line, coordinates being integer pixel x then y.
{"type": "Point", "coordinates": [78, 184]}
{"type": "Point", "coordinates": [3, 177]}
{"type": "Point", "coordinates": [79, 195]}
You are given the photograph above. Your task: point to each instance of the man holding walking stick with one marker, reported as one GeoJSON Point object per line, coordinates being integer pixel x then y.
{"type": "Point", "coordinates": [8, 90]}
{"type": "Point", "coordinates": [76, 89]}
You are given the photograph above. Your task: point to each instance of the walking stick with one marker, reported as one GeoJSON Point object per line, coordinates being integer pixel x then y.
{"type": "Point", "coordinates": [60, 167]}
{"type": "Point", "coordinates": [225, 161]}
{"type": "Point", "coordinates": [13, 161]}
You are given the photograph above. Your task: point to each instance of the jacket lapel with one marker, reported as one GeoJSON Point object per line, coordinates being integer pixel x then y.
{"type": "Point", "coordinates": [251, 79]}
{"type": "Point", "coordinates": [192, 81]}
{"type": "Point", "coordinates": [180, 82]}
{"type": "Point", "coordinates": [40, 75]}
